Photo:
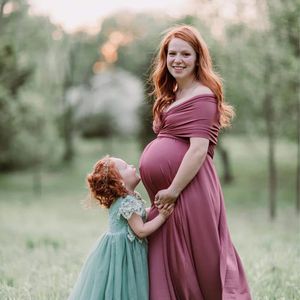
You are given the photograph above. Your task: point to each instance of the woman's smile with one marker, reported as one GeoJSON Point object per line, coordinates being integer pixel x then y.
{"type": "Point", "coordinates": [178, 68]}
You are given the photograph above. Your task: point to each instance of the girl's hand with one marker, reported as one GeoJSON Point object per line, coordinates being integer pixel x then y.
{"type": "Point", "coordinates": [167, 196]}
{"type": "Point", "coordinates": [165, 210]}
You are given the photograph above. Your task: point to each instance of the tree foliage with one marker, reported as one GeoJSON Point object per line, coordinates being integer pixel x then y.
{"type": "Point", "coordinates": [40, 63]}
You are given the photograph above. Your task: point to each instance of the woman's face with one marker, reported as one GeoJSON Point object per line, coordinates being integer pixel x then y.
{"type": "Point", "coordinates": [181, 59]}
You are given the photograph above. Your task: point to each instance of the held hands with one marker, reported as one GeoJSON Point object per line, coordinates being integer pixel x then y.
{"type": "Point", "coordinates": [165, 202]}
{"type": "Point", "coordinates": [166, 196]}
{"type": "Point", "coordinates": [165, 210]}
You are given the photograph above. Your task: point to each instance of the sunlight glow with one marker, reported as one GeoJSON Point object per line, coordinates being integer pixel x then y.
{"type": "Point", "coordinates": [87, 14]}
{"type": "Point", "coordinates": [109, 51]}
{"type": "Point", "coordinates": [99, 66]}
{"type": "Point", "coordinates": [57, 35]}
{"type": "Point", "coordinates": [9, 8]}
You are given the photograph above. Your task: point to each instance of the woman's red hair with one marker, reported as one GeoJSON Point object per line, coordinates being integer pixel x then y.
{"type": "Point", "coordinates": [165, 84]}
{"type": "Point", "coordinates": [105, 182]}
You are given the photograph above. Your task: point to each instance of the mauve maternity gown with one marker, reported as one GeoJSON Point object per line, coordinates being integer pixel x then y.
{"type": "Point", "coordinates": [191, 257]}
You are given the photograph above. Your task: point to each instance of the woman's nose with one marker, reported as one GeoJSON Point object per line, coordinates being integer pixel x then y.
{"type": "Point", "coordinates": [177, 59]}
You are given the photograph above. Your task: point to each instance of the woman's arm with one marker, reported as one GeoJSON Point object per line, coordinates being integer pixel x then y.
{"type": "Point", "coordinates": [190, 165]}
{"type": "Point", "coordinates": [142, 229]}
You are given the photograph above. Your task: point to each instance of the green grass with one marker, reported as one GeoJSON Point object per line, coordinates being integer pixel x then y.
{"type": "Point", "coordinates": [45, 238]}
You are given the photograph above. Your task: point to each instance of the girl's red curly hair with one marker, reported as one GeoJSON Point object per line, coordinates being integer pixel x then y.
{"type": "Point", "coordinates": [105, 182]}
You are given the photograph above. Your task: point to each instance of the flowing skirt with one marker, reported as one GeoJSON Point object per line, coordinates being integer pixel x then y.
{"type": "Point", "coordinates": [116, 269]}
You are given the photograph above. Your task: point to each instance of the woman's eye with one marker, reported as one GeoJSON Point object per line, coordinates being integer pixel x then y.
{"type": "Point", "coordinates": [186, 54]}
{"type": "Point", "coordinates": [171, 53]}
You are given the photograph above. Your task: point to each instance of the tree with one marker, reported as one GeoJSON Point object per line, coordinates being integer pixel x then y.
{"type": "Point", "coordinates": [284, 27]}
{"type": "Point", "coordinates": [12, 78]}
{"type": "Point", "coordinates": [284, 17]}
{"type": "Point", "coordinates": [259, 68]}
{"type": "Point", "coordinates": [26, 105]}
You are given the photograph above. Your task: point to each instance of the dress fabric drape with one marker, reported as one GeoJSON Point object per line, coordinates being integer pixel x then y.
{"type": "Point", "coordinates": [191, 257]}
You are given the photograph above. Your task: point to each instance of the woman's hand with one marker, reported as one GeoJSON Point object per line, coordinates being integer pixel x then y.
{"type": "Point", "coordinates": [166, 196]}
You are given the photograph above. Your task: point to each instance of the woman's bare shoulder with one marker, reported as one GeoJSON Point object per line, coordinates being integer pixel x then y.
{"type": "Point", "coordinates": [202, 89]}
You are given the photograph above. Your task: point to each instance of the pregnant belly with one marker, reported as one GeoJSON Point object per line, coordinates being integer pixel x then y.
{"type": "Point", "coordinates": [159, 163]}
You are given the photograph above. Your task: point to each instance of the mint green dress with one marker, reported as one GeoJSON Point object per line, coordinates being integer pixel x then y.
{"type": "Point", "coordinates": [116, 268]}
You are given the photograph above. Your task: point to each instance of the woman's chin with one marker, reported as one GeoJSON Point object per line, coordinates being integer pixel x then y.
{"type": "Point", "coordinates": [181, 75]}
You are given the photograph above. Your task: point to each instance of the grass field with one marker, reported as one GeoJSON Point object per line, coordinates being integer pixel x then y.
{"type": "Point", "coordinates": [44, 238]}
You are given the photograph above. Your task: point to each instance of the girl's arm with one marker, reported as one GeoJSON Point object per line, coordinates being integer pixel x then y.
{"type": "Point", "coordinates": [190, 165]}
{"type": "Point", "coordinates": [147, 210]}
{"type": "Point", "coordinates": [142, 229]}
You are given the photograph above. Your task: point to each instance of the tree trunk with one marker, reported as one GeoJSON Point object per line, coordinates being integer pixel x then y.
{"type": "Point", "coordinates": [294, 41]}
{"type": "Point", "coordinates": [68, 110]}
{"type": "Point", "coordinates": [298, 154]}
{"type": "Point", "coordinates": [272, 168]}
{"type": "Point", "coordinates": [270, 124]}
{"type": "Point", "coordinates": [68, 134]}
{"type": "Point", "coordinates": [37, 180]}
{"type": "Point", "coordinates": [227, 170]}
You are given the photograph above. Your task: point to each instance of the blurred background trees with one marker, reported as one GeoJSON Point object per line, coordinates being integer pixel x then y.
{"type": "Point", "coordinates": [66, 99]}
{"type": "Point", "coordinates": [56, 86]}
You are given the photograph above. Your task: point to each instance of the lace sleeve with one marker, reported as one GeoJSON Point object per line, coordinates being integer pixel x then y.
{"type": "Point", "coordinates": [129, 206]}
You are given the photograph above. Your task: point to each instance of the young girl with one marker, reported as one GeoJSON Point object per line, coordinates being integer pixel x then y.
{"type": "Point", "coordinates": [117, 267]}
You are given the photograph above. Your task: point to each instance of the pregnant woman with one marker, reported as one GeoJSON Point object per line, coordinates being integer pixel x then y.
{"type": "Point", "coordinates": [191, 257]}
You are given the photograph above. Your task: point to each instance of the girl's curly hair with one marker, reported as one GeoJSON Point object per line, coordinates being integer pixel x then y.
{"type": "Point", "coordinates": [105, 182]}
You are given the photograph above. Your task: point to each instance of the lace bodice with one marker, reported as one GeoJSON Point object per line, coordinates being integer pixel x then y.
{"type": "Point", "coordinates": [121, 210]}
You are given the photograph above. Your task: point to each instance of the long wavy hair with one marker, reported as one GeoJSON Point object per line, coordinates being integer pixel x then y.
{"type": "Point", "coordinates": [165, 85]}
{"type": "Point", "coordinates": [105, 182]}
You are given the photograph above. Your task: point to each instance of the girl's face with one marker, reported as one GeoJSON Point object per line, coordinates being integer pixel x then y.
{"type": "Point", "coordinates": [181, 59]}
{"type": "Point", "coordinates": [127, 172]}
